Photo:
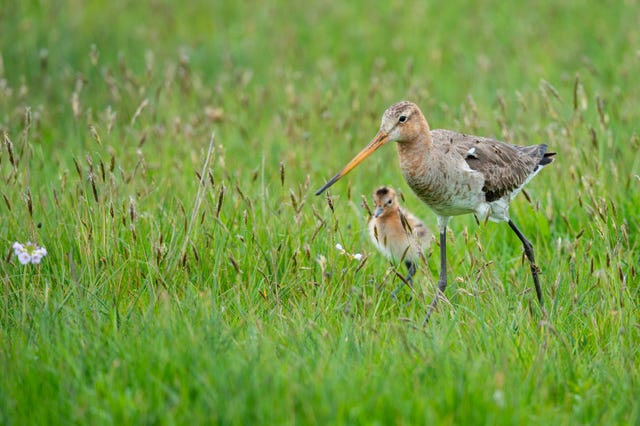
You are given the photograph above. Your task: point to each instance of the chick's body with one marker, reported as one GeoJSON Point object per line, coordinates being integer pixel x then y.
{"type": "Point", "coordinates": [396, 232]}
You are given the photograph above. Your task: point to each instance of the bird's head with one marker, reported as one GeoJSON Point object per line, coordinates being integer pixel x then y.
{"type": "Point", "coordinates": [385, 201]}
{"type": "Point", "coordinates": [401, 122]}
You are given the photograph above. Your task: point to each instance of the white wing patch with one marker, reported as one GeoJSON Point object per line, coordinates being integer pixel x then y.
{"type": "Point", "coordinates": [471, 153]}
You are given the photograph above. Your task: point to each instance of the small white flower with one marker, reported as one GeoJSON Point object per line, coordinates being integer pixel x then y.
{"type": "Point", "coordinates": [36, 258]}
{"type": "Point", "coordinates": [29, 252]}
{"type": "Point", "coordinates": [356, 256]}
{"type": "Point", "coordinates": [24, 258]}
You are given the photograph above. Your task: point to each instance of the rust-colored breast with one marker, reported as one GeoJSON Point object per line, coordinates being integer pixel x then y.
{"type": "Point", "coordinates": [439, 176]}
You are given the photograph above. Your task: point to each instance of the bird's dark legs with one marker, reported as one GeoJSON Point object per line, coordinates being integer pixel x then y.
{"type": "Point", "coordinates": [528, 251]}
{"type": "Point", "coordinates": [412, 268]}
{"type": "Point", "coordinates": [442, 282]}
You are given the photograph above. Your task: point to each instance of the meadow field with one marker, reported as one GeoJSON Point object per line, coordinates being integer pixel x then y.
{"type": "Point", "coordinates": [166, 154]}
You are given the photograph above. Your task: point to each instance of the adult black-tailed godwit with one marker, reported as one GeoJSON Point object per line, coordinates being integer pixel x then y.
{"type": "Point", "coordinates": [397, 233]}
{"type": "Point", "coordinates": [455, 174]}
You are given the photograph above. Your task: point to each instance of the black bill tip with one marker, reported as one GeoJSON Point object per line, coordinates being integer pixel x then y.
{"type": "Point", "coordinates": [328, 184]}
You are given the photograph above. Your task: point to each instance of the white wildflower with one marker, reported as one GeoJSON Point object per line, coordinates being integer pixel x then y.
{"type": "Point", "coordinates": [356, 256]}
{"type": "Point", "coordinates": [24, 257]}
{"type": "Point", "coordinates": [29, 252]}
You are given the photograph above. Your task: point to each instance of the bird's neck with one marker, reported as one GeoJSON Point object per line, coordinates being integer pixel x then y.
{"type": "Point", "coordinates": [415, 152]}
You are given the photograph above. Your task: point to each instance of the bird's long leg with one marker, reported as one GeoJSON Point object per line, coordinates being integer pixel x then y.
{"type": "Point", "coordinates": [528, 251]}
{"type": "Point", "coordinates": [412, 268]}
{"type": "Point", "coordinates": [442, 282]}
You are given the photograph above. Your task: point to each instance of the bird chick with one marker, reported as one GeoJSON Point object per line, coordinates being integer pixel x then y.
{"type": "Point", "coordinates": [396, 233]}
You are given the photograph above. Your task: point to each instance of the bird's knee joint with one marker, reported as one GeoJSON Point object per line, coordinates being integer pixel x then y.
{"type": "Point", "coordinates": [535, 269]}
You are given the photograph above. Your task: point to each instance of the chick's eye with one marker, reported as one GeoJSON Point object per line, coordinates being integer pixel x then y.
{"type": "Point", "coordinates": [389, 202]}
{"type": "Point", "coordinates": [402, 118]}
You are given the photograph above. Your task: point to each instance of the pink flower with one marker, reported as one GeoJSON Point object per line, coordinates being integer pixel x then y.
{"type": "Point", "coordinates": [29, 252]}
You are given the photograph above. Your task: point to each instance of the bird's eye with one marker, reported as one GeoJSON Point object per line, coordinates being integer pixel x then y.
{"type": "Point", "coordinates": [402, 118]}
{"type": "Point", "coordinates": [389, 202]}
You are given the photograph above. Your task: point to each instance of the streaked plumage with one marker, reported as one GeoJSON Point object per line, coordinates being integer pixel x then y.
{"type": "Point", "coordinates": [455, 174]}
{"type": "Point", "coordinates": [396, 232]}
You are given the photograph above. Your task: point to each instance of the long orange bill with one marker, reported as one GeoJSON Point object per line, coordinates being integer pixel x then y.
{"type": "Point", "coordinates": [380, 139]}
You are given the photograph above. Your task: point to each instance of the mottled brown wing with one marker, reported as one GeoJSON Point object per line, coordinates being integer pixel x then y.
{"type": "Point", "coordinates": [505, 167]}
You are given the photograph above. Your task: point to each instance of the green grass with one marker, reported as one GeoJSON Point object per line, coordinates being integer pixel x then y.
{"type": "Point", "coordinates": [173, 296]}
